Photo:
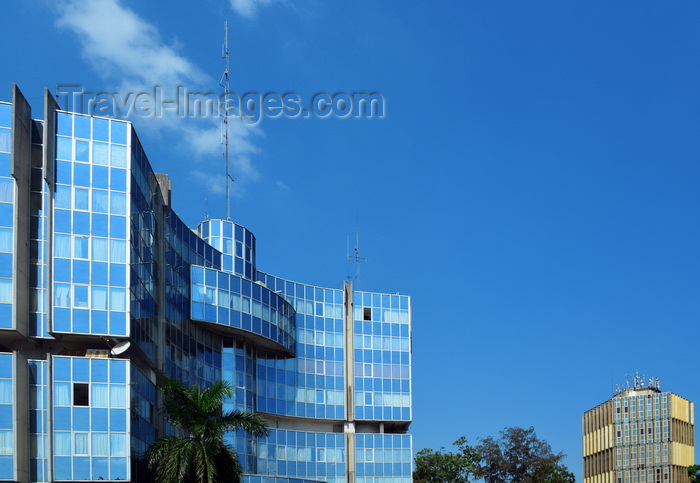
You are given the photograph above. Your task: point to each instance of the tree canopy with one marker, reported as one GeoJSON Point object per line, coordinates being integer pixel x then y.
{"type": "Point", "coordinates": [516, 456]}
{"type": "Point", "coordinates": [200, 455]}
{"type": "Point", "coordinates": [694, 473]}
{"type": "Point", "coordinates": [444, 467]}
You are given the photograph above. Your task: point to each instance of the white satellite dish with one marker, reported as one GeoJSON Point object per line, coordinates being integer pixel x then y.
{"type": "Point", "coordinates": [121, 348]}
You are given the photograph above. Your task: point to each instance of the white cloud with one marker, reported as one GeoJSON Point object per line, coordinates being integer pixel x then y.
{"type": "Point", "coordinates": [248, 8]}
{"type": "Point", "coordinates": [129, 53]}
{"type": "Point", "coordinates": [121, 43]}
{"type": "Point", "coordinates": [215, 182]}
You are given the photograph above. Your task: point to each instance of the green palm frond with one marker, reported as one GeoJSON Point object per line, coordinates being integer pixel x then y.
{"type": "Point", "coordinates": [201, 456]}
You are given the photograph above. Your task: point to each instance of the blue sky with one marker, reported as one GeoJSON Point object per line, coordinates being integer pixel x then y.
{"type": "Point", "coordinates": [533, 184]}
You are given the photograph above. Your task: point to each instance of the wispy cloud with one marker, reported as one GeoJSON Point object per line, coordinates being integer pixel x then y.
{"type": "Point", "coordinates": [249, 8]}
{"type": "Point", "coordinates": [119, 42]}
{"type": "Point", "coordinates": [129, 53]}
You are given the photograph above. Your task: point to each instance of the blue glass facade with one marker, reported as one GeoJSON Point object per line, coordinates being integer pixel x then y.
{"type": "Point", "coordinates": [90, 245]}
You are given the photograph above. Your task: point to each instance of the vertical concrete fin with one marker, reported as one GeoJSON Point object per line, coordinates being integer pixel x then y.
{"type": "Point", "coordinates": [21, 416]}
{"type": "Point", "coordinates": [49, 166]}
{"type": "Point", "coordinates": [20, 167]}
{"type": "Point", "coordinates": [349, 425]}
{"type": "Point", "coordinates": [50, 108]}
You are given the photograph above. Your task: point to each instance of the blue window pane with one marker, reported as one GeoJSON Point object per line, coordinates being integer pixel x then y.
{"type": "Point", "coordinates": [81, 468]}
{"type": "Point", "coordinates": [99, 273]}
{"type": "Point", "coordinates": [100, 154]}
{"type": "Point", "coordinates": [62, 420]}
{"type": "Point", "coordinates": [118, 132]}
{"type": "Point", "coordinates": [81, 419]}
{"type": "Point", "coordinates": [64, 150]}
{"type": "Point", "coordinates": [117, 323]}
{"type": "Point", "coordinates": [62, 223]}
{"type": "Point", "coordinates": [81, 269]}
{"type": "Point", "coordinates": [6, 115]}
{"type": "Point", "coordinates": [5, 140]}
{"type": "Point", "coordinates": [100, 419]}
{"type": "Point", "coordinates": [81, 175]}
{"type": "Point", "coordinates": [118, 156]}
{"type": "Point", "coordinates": [82, 151]}
{"type": "Point", "coordinates": [118, 203]}
{"type": "Point", "coordinates": [100, 468]}
{"type": "Point", "coordinates": [100, 129]}
{"type": "Point", "coordinates": [64, 124]}
{"type": "Point", "coordinates": [100, 201]}
{"type": "Point", "coordinates": [117, 419]}
{"type": "Point", "coordinates": [61, 369]}
{"type": "Point", "coordinates": [100, 177]}
{"type": "Point", "coordinates": [5, 416]}
{"type": "Point", "coordinates": [6, 467]}
{"type": "Point", "coordinates": [81, 370]}
{"type": "Point", "coordinates": [117, 275]}
{"type": "Point", "coordinates": [5, 164]}
{"type": "Point", "coordinates": [61, 320]}
{"type": "Point", "coordinates": [118, 371]}
{"type": "Point", "coordinates": [81, 321]}
{"type": "Point", "coordinates": [118, 181]}
{"type": "Point", "coordinates": [82, 199]}
{"type": "Point", "coordinates": [99, 370]}
{"type": "Point", "coordinates": [118, 468]}
{"type": "Point", "coordinates": [117, 226]}
{"type": "Point", "coordinates": [62, 467]}
{"type": "Point", "coordinates": [100, 322]}
{"type": "Point", "coordinates": [6, 385]}
{"type": "Point", "coordinates": [81, 226]}
{"type": "Point", "coordinates": [100, 225]}
{"type": "Point", "coordinates": [82, 127]}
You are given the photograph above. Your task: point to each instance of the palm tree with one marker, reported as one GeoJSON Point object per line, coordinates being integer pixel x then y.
{"type": "Point", "coordinates": [200, 455]}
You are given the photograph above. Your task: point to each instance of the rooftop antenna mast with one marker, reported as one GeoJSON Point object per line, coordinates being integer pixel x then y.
{"type": "Point", "coordinates": [355, 257]}
{"type": "Point", "coordinates": [225, 83]}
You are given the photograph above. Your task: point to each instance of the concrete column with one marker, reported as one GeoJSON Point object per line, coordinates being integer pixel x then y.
{"type": "Point", "coordinates": [349, 426]}
{"type": "Point", "coordinates": [20, 167]}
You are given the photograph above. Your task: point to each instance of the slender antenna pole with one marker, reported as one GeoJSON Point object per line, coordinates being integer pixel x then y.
{"type": "Point", "coordinates": [227, 92]}
{"type": "Point", "coordinates": [356, 256]}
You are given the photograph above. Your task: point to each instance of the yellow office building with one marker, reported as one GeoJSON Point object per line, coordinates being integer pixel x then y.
{"type": "Point", "coordinates": [641, 435]}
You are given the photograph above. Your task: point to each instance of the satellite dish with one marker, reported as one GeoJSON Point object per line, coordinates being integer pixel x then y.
{"type": "Point", "coordinates": [121, 348]}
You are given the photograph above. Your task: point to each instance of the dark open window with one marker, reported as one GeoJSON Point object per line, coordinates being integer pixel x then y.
{"type": "Point", "coordinates": [81, 394]}
{"type": "Point", "coordinates": [367, 315]}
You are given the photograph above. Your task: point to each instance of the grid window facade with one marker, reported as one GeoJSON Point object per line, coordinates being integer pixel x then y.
{"type": "Point", "coordinates": [91, 414]}
{"type": "Point", "coordinates": [7, 218]}
{"type": "Point", "coordinates": [235, 242]}
{"type": "Point", "coordinates": [109, 262]}
{"type": "Point", "coordinates": [383, 458]}
{"type": "Point", "coordinates": [7, 439]}
{"type": "Point", "coordinates": [230, 300]}
{"type": "Point", "coordinates": [312, 384]}
{"type": "Point", "coordinates": [382, 357]}
{"type": "Point", "coordinates": [90, 236]}
{"type": "Point", "coordinates": [38, 421]}
{"type": "Point", "coordinates": [302, 454]}
{"type": "Point", "coordinates": [39, 202]}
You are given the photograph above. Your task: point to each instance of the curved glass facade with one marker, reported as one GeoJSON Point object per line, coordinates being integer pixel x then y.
{"type": "Point", "coordinates": [110, 263]}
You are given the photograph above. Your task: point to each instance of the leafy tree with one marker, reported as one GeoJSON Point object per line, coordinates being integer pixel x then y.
{"type": "Point", "coordinates": [444, 467]}
{"type": "Point", "coordinates": [519, 456]}
{"type": "Point", "coordinates": [200, 455]}
{"type": "Point", "coordinates": [694, 473]}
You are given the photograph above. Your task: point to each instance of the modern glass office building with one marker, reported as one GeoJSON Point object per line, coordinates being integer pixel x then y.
{"type": "Point", "coordinates": [92, 257]}
{"type": "Point", "coordinates": [641, 435]}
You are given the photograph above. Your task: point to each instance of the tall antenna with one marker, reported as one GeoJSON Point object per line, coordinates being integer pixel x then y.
{"type": "Point", "coordinates": [227, 91]}
{"type": "Point", "coordinates": [355, 257]}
